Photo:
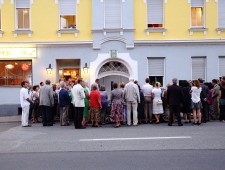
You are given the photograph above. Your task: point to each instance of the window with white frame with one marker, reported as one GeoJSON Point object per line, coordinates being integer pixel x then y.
{"type": "Point", "coordinates": [23, 14]}
{"type": "Point", "coordinates": [112, 14]}
{"type": "Point", "coordinates": [155, 14]}
{"type": "Point", "coordinates": [197, 13]}
{"type": "Point", "coordinates": [221, 13]}
{"type": "Point", "coordinates": [156, 68]}
{"type": "Point", "coordinates": [67, 12]}
{"type": "Point", "coordinates": [198, 68]}
{"type": "Point", "coordinates": [221, 66]}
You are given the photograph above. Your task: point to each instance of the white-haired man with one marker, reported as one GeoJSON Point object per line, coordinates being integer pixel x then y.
{"type": "Point", "coordinates": [132, 98]}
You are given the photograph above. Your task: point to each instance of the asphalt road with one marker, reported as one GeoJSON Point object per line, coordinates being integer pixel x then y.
{"type": "Point", "coordinates": [134, 148]}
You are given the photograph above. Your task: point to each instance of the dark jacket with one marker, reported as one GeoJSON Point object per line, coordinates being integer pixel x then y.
{"type": "Point", "coordinates": [174, 95]}
{"type": "Point", "coordinates": [204, 93]}
{"type": "Point", "coordinates": [64, 98]}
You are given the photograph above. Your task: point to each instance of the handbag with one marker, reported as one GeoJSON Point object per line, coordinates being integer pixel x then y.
{"type": "Point", "coordinates": [159, 102]}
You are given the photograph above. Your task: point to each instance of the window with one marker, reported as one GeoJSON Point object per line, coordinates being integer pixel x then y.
{"type": "Point", "coordinates": [23, 14]}
{"type": "Point", "coordinates": [156, 69]}
{"type": "Point", "coordinates": [67, 10]}
{"type": "Point", "coordinates": [197, 13]}
{"type": "Point", "coordinates": [198, 68]}
{"type": "Point", "coordinates": [221, 66]}
{"type": "Point", "coordinates": [155, 13]}
{"type": "Point", "coordinates": [112, 14]}
{"type": "Point", "coordinates": [221, 11]}
{"type": "Point", "coordinates": [13, 72]}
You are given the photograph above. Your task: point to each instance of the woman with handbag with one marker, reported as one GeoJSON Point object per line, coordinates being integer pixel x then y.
{"type": "Point", "coordinates": [157, 102]}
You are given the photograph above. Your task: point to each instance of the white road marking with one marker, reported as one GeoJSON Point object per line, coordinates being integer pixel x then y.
{"type": "Point", "coordinates": [143, 138]}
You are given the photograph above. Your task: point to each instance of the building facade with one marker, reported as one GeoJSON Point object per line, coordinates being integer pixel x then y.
{"type": "Point", "coordinates": [110, 40]}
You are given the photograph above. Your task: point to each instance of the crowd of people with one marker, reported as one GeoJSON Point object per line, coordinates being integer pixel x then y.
{"type": "Point", "coordinates": [127, 104]}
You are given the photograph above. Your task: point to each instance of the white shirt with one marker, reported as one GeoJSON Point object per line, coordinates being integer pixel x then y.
{"type": "Point", "coordinates": [78, 94]}
{"type": "Point", "coordinates": [23, 97]}
{"type": "Point", "coordinates": [147, 89]}
{"type": "Point", "coordinates": [195, 95]}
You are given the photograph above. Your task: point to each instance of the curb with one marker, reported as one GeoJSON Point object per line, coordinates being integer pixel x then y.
{"type": "Point", "coordinates": [9, 119]}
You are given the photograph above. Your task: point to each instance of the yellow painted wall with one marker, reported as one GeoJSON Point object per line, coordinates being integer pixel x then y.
{"type": "Point", "coordinates": [177, 17]}
{"type": "Point", "coordinates": [45, 22]}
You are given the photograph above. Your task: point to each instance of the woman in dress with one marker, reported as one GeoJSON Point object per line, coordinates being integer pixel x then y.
{"type": "Point", "coordinates": [35, 99]}
{"type": "Point", "coordinates": [187, 102]}
{"type": "Point", "coordinates": [157, 102]}
{"type": "Point", "coordinates": [104, 100]}
{"type": "Point", "coordinates": [196, 102]}
{"type": "Point", "coordinates": [117, 106]}
{"type": "Point", "coordinates": [95, 105]}
{"type": "Point", "coordinates": [86, 104]}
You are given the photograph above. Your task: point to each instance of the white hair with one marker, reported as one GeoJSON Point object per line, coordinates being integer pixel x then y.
{"type": "Point", "coordinates": [62, 84]}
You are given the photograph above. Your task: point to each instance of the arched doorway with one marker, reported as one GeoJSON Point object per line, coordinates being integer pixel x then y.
{"type": "Point", "coordinates": [113, 72]}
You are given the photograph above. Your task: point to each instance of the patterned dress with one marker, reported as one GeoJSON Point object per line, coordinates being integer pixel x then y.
{"type": "Point", "coordinates": [117, 106]}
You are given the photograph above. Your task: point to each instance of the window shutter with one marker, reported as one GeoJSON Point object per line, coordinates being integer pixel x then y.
{"type": "Point", "coordinates": [112, 13]}
{"type": "Point", "coordinates": [155, 11]}
{"type": "Point", "coordinates": [197, 3]}
{"type": "Point", "coordinates": [198, 68]}
{"type": "Point", "coordinates": [67, 7]}
{"type": "Point", "coordinates": [222, 66]}
{"type": "Point", "coordinates": [22, 3]}
{"type": "Point", "coordinates": [221, 8]}
{"type": "Point", "coordinates": [156, 67]}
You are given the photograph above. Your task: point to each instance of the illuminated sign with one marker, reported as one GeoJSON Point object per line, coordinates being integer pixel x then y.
{"type": "Point", "coordinates": [17, 53]}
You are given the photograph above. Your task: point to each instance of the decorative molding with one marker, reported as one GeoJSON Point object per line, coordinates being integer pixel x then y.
{"type": "Point", "coordinates": [191, 33]}
{"type": "Point", "coordinates": [101, 0]}
{"type": "Point", "coordinates": [2, 2]}
{"type": "Point", "coordinates": [123, 0]}
{"type": "Point", "coordinates": [218, 32]}
{"type": "Point", "coordinates": [145, 1]}
{"type": "Point", "coordinates": [121, 32]}
{"type": "Point", "coordinates": [165, 1]}
{"type": "Point", "coordinates": [78, 2]}
{"type": "Point", "coordinates": [205, 32]}
{"type": "Point", "coordinates": [56, 1]}
{"type": "Point", "coordinates": [31, 1]}
{"type": "Point", "coordinates": [1, 34]}
{"type": "Point", "coordinates": [164, 33]}
{"type": "Point", "coordinates": [59, 34]}
{"type": "Point", "coordinates": [104, 33]}
{"type": "Point", "coordinates": [207, 1]}
{"type": "Point", "coordinates": [15, 35]}
{"type": "Point", "coordinates": [189, 1]}
{"type": "Point", "coordinates": [29, 35]}
{"type": "Point", "coordinates": [216, 1]}
{"type": "Point", "coordinates": [12, 1]}
{"type": "Point", "coordinates": [75, 34]}
{"type": "Point", "coordinates": [147, 33]}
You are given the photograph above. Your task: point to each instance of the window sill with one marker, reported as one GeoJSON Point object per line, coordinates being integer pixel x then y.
{"type": "Point", "coordinates": [28, 32]}
{"type": "Point", "coordinates": [200, 29]}
{"type": "Point", "coordinates": [219, 30]}
{"type": "Point", "coordinates": [155, 30]}
{"type": "Point", "coordinates": [67, 31]}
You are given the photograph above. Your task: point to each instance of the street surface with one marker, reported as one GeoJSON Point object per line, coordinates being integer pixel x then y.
{"type": "Point", "coordinates": [142, 147]}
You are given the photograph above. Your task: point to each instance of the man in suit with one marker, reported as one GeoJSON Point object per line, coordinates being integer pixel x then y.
{"type": "Point", "coordinates": [204, 97]}
{"type": "Point", "coordinates": [175, 99]}
{"type": "Point", "coordinates": [78, 94]}
{"type": "Point", "coordinates": [46, 103]}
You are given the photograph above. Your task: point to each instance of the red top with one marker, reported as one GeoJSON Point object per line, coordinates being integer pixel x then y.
{"type": "Point", "coordinates": [94, 97]}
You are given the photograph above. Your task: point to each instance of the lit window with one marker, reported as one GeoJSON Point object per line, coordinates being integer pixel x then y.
{"type": "Point", "coordinates": [67, 22]}
{"type": "Point", "coordinates": [197, 17]}
{"type": "Point", "coordinates": [13, 72]}
{"type": "Point", "coordinates": [155, 13]}
{"type": "Point", "coordinates": [23, 14]}
{"type": "Point", "coordinates": [23, 18]}
{"type": "Point", "coordinates": [67, 14]}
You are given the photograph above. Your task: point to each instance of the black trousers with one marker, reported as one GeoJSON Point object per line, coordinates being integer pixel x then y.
{"type": "Point", "coordinates": [222, 112]}
{"type": "Point", "coordinates": [174, 109]}
{"type": "Point", "coordinates": [78, 116]}
{"type": "Point", "coordinates": [46, 115]}
{"type": "Point", "coordinates": [205, 115]}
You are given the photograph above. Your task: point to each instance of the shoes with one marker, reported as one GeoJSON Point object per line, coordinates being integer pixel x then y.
{"type": "Point", "coordinates": [27, 126]}
{"type": "Point", "coordinates": [194, 123]}
{"type": "Point", "coordinates": [117, 126]}
{"type": "Point", "coordinates": [170, 124]}
{"type": "Point", "coordinates": [189, 121]}
{"type": "Point", "coordinates": [157, 122]}
{"type": "Point", "coordinates": [198, 124]}
{"type": "Point", "coordinates": [180, 124]}
{"type": "Point", "coordinates": [186, 122]}
{"type": "Point", "coordinates": [50, 125]}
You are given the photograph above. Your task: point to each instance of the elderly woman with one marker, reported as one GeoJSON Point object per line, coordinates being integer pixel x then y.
{"type": "Point", "coordinates": [117, 106]}
{"type": "Point", "coordinates": [95, 105]}
{"type": "Point", "coordinates": [157, 102]}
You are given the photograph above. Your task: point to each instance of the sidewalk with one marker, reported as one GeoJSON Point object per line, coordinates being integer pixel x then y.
{"type": "Point", "coordinates": [7, 119]}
